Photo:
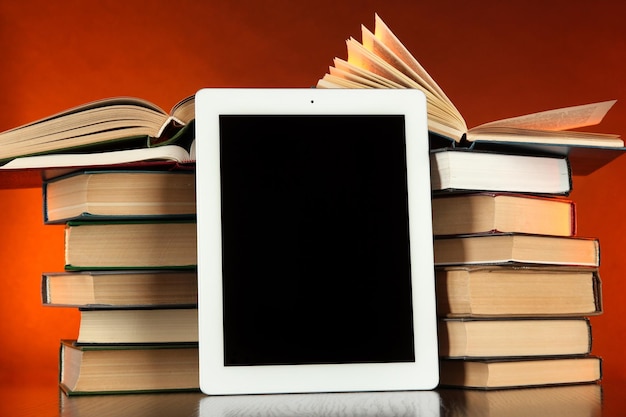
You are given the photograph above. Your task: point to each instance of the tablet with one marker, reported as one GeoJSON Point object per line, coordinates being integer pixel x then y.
{"type": "Point", "coordinates": [315, 259]}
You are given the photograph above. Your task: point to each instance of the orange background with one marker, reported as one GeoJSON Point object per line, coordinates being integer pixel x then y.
{"type": "Point", "coordinates": [494, 59]}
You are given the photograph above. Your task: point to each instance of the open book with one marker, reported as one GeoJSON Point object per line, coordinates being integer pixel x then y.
{"type": "Point", "coordinates": [382, 61]}
{"type": "Point", "coordinates": [103, 125]}
{"type": "Point", "coordinates": [180, 152]}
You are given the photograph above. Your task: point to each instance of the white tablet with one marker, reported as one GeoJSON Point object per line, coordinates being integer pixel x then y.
{"type": "Point", "coordinates": [315, 259]}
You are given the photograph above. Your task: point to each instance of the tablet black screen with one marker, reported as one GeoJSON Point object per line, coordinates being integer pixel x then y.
{"type": "Point", "coordinates": [316, 265]}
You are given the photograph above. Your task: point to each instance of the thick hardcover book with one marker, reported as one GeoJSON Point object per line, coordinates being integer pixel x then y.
{"type": "Point", "coordinates": [138, 326]}
{"type": "Point", "coordinates": [120, 289]}
{"type": "Point", "coordinates": [473, 213]}
{"type": "Point", "coordinates": [519, 372]}
{"type": "Point", "coordinates": [130, 245]}
{"type": "Point", "coordinates": [490, 338]}
{"type": "Point", "coordinates": [511, 248]}
{"type": "Point", "coordinates": [517, 291]}
{"type": "Point", "coordinates": [127, 369]}
{"type": "Point", "coordinates": [462, 170]}
{"type": "Point", "coordinates": [114, 194]}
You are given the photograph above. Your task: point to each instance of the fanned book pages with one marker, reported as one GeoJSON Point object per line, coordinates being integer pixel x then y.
{"type": "Point", "coordinates": [381, 60]}
{"type": "Point", "coordinates": [111, 124]}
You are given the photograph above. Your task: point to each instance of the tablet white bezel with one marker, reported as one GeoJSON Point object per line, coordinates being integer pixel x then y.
{"type": "Point", "coordinates": [217, 379]}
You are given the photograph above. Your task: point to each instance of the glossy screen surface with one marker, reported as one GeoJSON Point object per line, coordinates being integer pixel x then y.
{"type": "Point", "coordinates": [315, 240]}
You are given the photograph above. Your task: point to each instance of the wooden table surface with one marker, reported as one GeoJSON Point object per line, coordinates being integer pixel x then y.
{"type": "Point", "coordinates": [568, 401]}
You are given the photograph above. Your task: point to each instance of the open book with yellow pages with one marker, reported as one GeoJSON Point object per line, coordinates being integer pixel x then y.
{"type": "Point", "coordinates": [381, 60]}
{"type": "Point", "coordinates": [113, 124]}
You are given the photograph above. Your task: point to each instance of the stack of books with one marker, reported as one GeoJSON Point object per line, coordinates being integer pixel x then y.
{"type": "Point", "coordinates": [515, 285]}
{"type": "Point", "coordinates": [130, 268]}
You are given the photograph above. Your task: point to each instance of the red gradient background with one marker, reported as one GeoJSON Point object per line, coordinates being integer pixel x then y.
{"type": "Point", "coordinates": [494, 59]}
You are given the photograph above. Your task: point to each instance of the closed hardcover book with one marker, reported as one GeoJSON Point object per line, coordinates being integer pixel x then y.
{"type": "Point", "coordinates": [128, 368]}
{"type": "Point", "coordinates": [114, 194]}
{"type": "Point", "coordinates": [130, 245]}
{"type": "Point", "coordinates": [519, 372]}
{"type": "Point", "coordinates": [138, 326]}
{"type": "Point", "coordinates": [460, 169]}
{"type": "Point", "coordinates": [517, 291]}
{"type": "Point", "coordinates": [490, 338]}
{"type": "Point", "coordinates": [118, 289]}
{"type": "Point", "coordinates": [512, 248]}
{"type": "Point", "coordinates": [481, 212]}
